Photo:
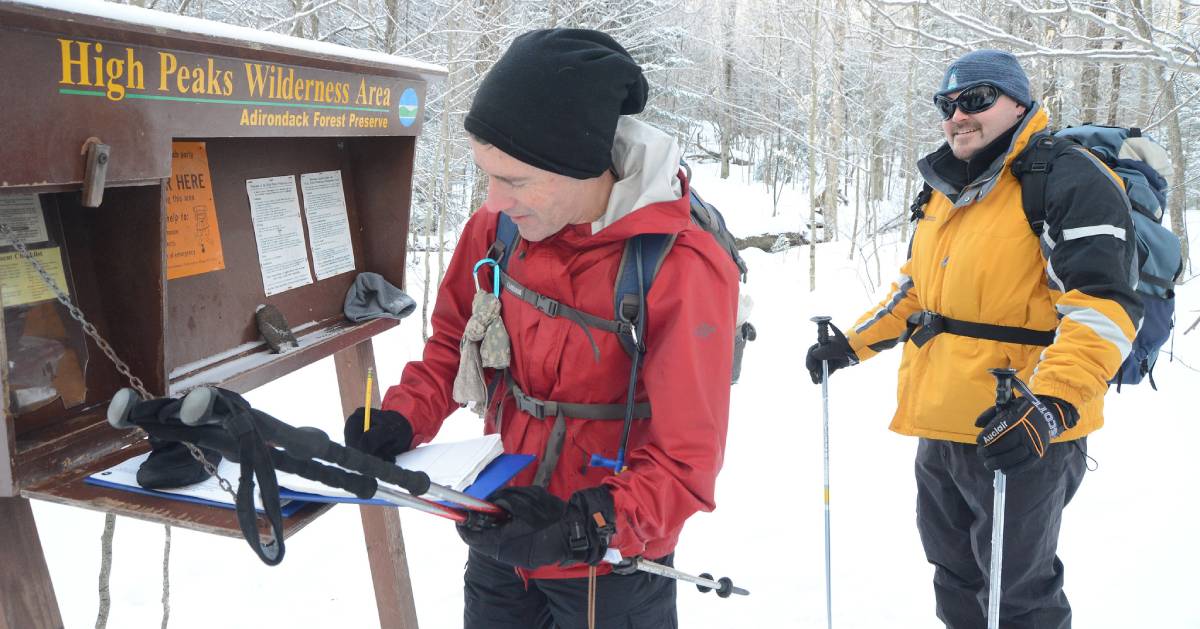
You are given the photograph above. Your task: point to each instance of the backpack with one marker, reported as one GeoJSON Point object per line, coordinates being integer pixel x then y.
{"type": "Point", "coordinates": [640, 262]}
{"type": "Point", "coordinates": [647, 252]}
{"type": "Point", "coordinates": [1142, 163]}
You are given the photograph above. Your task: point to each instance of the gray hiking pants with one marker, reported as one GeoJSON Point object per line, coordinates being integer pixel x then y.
{"type": "Point", "coordinates": [954, 517]}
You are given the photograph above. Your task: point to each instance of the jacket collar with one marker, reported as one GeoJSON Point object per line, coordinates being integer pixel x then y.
{"type": "Point", "coordinates": [646, 161]}
{"type": "Point", "coordinates": [935, 166]}
{"type": "Point", "coordinates": [649, 197]}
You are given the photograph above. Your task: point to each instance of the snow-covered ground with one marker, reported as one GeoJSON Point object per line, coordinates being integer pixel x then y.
{"type": "Point", "coordinates": [1129, 540]}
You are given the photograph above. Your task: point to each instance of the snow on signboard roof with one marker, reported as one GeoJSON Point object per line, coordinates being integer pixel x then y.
{"type": "Point", "coordinates": [168, 22]}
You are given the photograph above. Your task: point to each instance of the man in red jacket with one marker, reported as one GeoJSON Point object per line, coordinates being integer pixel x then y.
{"type": "Point", "coordinates": [578, 177]}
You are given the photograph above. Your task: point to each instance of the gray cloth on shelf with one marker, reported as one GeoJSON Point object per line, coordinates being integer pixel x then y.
{"type": "Point", "coordinates": [372, 297]}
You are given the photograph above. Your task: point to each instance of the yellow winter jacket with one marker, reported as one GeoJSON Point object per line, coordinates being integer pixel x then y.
{"type": "Point", "coordinates": [976, 259]}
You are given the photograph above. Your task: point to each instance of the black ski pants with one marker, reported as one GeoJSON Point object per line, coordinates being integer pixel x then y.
{"type": "Point", "coordinates": [497, 598]}
{"type": "Point", "coordinates": [954, 517]}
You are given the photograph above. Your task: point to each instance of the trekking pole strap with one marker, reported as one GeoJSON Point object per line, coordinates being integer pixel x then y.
{"type": "Point", "coordinates": [925, 325]}
{"type": "Point", "coordinates": [255, 458]}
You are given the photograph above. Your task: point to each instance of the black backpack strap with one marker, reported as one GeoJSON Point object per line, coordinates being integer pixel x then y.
{"type": "Point", "coordinates": [644, 253]}
{"type": "Point", "coordinates": [506, 241]}
{"type": "Point", "coordinates": [1032, 168]}
{"type": "Point", "coordinates": [916, 211]}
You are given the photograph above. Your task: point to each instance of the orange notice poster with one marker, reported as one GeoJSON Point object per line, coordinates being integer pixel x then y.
{"type": "Point", "coordinates": [193, 239]}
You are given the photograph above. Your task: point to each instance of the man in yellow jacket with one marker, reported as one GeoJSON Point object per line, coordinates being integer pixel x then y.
{"type": "Point", "coordinates": [980, 290]}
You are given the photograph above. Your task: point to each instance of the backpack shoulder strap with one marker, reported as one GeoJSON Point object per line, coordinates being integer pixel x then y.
{"type": "Point", "coordinates": [1032, 168]}
{"type": "Point", "coordinates": [643, 257]}
{"type": "Point", "coordinates": [916, 211]}
{"type": "Point", "coordinates": [506, 241]}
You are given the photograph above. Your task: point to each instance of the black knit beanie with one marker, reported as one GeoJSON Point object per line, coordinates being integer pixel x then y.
{"type": "Point", "coordinates": [554, 97]}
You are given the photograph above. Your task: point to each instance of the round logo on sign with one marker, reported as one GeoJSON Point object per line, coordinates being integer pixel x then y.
{"type": "Point", "coordinates": [409, 106]}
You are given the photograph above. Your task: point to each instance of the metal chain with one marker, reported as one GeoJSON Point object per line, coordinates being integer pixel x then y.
{"type": "Point", "coordinates": [105, 347]}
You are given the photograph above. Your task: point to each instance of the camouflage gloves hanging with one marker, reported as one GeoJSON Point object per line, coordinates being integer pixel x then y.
{"type": "Point", "coordinates": [484, 344]}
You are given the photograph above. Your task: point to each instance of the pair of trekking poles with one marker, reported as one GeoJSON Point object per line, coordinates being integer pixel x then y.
{"type": "Point", "coordinates": [1005, 378]}
{"type": "Point", "coordinates": [223, 421]}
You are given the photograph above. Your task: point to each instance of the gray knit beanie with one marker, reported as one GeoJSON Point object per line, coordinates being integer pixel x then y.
{"type": "Point", "coordinates": [994, 67]}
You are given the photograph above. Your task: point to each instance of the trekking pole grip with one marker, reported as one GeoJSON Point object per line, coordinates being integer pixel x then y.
{"type": "Point", "coordinates": [822, 322]}
{"type": "Point", "coordinates": [1004, 385]}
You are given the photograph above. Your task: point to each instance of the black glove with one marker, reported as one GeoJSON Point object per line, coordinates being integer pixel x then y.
{"type": "Point", "coordinates": [836, 352]}
{"type": "Point", "coordinates": [1016, 435]}
{"type": "Point", "coordinates": [390, 433]}
{"type": "Point", "coordinates": [546, 531]}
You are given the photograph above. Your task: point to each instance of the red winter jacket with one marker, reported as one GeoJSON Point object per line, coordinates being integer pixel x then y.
{"type": "Point", "coordinates": [674, 456]}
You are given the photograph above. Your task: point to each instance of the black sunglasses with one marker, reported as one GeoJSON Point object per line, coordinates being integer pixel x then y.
{"type": "Point", "coordinates": [970, 101]}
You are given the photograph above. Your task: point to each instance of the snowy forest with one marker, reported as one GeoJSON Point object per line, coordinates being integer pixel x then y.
{"type": "Point", "coordinates": [830, 97]}
{"type": "Point", "coordinates": [823, 108]}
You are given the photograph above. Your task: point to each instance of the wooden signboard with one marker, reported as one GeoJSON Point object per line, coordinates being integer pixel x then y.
{"type": "Point", "coordinates": [237, 169]}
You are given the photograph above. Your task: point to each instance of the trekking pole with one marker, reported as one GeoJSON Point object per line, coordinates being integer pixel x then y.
{"type": "Point", "coordinates": [823, 339]}
{"type": "Point", "coordinates": [724, 586]}
{"type": "Point", "coordinates": [1004, 382]}
{"type": "Point", "coordinates": [705, 582]}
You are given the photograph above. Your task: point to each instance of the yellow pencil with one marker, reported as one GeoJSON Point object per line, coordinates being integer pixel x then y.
{"type": "Point", "coordinates": [367, 404]}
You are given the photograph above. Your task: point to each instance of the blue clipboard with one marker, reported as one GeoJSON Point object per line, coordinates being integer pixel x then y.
{"type": "Point", "coordinates": [501, 470]}
{"type": "Point", "coordinates": [287, 509]}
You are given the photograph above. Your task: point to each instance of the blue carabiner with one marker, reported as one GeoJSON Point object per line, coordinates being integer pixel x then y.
{"type": "Point", "coordinates": [495, 275]}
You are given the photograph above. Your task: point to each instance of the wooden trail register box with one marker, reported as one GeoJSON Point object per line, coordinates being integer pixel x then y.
{"type": "Point", "coordinates": [170, 175]}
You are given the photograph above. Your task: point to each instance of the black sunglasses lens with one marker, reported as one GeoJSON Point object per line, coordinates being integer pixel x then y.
{"type": "Point", "coordinates": [945, 106]}
{"type": "Point", "coordinates": [970, 101]}
{"type": "Point", "coordinates": [977, 99]}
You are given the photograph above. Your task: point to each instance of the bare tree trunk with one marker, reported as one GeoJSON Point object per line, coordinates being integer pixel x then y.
{"type": "Point", "coordinates": [392, 9]}
{"type": "Point", "coordinates": [1051, 95]}
{"type": "Point", "coordinates": [298, 25]}
{"type": "Point", "coordinates": [910, 141]}
{"type": "Point", "coordinates": [1114, 94]}
{"type": "Point", "coordinates": [837, 114]}
{"type": "Point", "coordinates": [857, 210]}
{"type": "Point", "coordinates": [486, 53]}
{"type": "Point", "coordinates": [728, 24]}
{"type": "Point", "coordinates": [448, 146]}
{"type": "Point", "coordinates": [814, 34]}
{"type": "Point", "coordinates": [875, 177]}
{"type": "Point", "coordinates": [1089, 77]}
{"type": "Point", "coordinates": [1175, 200]}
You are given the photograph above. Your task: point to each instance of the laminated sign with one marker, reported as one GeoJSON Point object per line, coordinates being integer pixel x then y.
{"type": "Point", "coordinates": [193, 239]}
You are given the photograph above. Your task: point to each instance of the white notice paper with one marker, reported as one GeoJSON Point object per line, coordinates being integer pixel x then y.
{"type": "Point", "coordinates": [23, 215]}
{"type": "Point", "coordinates": [282, 253]}
{"type": "Point", "coordinates": [328, 226]}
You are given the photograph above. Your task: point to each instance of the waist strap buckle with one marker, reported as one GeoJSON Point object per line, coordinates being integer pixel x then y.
{"type": "Point", "coordinates": [538, 408]}
{"type": "Point", "coordinates": [929, 324]}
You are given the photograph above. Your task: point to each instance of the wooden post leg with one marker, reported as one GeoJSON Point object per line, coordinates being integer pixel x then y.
{"type": "Point", "coordinates": [381, 525]}
{"type": "Point", "coordinates": [26, 593]}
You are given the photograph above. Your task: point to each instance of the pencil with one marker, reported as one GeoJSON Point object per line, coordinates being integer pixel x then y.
{"type": "Point", "coordinates": [367, 404]}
